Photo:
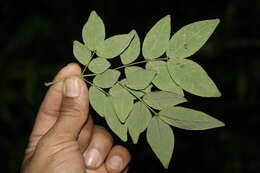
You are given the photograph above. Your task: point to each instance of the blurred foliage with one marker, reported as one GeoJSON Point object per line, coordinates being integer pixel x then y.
{"type": "Point", "coordinates": [37, 41]}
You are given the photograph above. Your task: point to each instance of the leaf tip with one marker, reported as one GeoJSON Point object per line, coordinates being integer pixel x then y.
{"type": "Point", "coordinates": [133, 31]}
{"type": "Point", "coordinates": [75, 42]}
{"type": "Point", "coordinates": [218, 94]}
{"type": "Point", "coordinates": [168, 17]}
{"type": "Point", "coordinates": [166, 165]}
{"type": "Point", "coordinates": [221, 124]}
{"type": "Point", "coordinates": [93, 12]}
{"type": "Point", "coordinates": [215, 21]}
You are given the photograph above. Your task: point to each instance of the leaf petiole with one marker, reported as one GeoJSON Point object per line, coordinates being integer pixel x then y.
{"type": "Point", "coordinates": [123, 66]}
{"type": "Point", "coordinates": [47, 84]}
{"type": "Point", "coordinates": [140, 62]}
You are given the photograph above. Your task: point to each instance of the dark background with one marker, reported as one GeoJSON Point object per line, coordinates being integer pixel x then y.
{"type": "Point", "coordinates": [36, 41]}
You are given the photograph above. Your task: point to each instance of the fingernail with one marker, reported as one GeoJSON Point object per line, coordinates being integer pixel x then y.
{"type": "Point", "coordinates": [93, 158]}
{"type": "Point", "coordinates": [115, 163]}
{"type": "Point", "coordinates": [72, 87]}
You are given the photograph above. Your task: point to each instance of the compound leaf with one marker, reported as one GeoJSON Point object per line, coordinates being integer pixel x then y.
{"type": "Point", "coordinates": [156, 40]}
{"type": "Point", "coordinates": [138, 120]}
{"type": "Point", "coordinates": [97, 100]}
{"type": "Point", "coordinates": [189, 119]}
{"type": "Point", "coordinates": [113, 122]}
{"type": "Point", "coordinates": [163, 80]}
{"type": "Point", "coordinates": [190, 38]}
{"type": "Point", "coordinates": [192, 78]}
{"type": "Point", "coordinates": [122, 106]}
{"type": "Point", "coordinates": [106, 79]}
{"type": "Point", "coordinates": [162, 99]}
{"type": "Point", "coordinates": [133, 50]}
{"type": "Point", "coordinates": [139, 79]}
{"type": "Point", "coordinates": [161, 139]}
{"type": "Point", "coordinates": [93, 32]}
{"type": "Point", "coordinates": [99, 65]}
{"type": "Point", "coordinates": [114, 45]}
{"type": "Point", "coordinates": [81, 53]}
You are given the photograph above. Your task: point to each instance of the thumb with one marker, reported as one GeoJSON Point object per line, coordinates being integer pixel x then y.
{"type": "Point", "coordinates": [74, 109]}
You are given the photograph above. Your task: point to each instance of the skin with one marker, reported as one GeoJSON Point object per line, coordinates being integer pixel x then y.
{"type": "Point", "coordinates": [64, 138]}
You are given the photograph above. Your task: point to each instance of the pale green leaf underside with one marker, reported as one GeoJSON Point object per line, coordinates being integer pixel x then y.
{"type": "Point", "coordinates": [163, 80]}
{"type": "Point", "coordinates": [122, 106]}
{"type": "Point", "coordinates": [131, 69]}
{"type": "Point", "coordinates": [138, 120]}
{"type": "Point", "coordinates": [113, 122]}
{"type": "Point", "coordinates": [190, 38]}
{"type": "Point", "coordinates": [156, 41]}
{"type": "Point", "coordinates": [140, 93]}
{"type": "Point", "coordinates": [161, 139]}
{"type": "Point", "coordinates": [107, 79]}
{"type": "Point", "coordinates": [162, 99]}
{"type": "Point", "coordinates": [97, 100]}
{"type": "Point", "coordinates": [137, 93]}
{"type": "Point", "coordinates": [118, 91]}
{"type": "Point", "coordinates": [132, 51]}
{"type": "Point", "coordinates": [114, 45]}
{"type": "Point", "coordinates": [93, 32]}
{"type": "Point", "coordinates": [99, 65]}
{"type": "Point", "coordinates": [192, 78]}
{"type": "Point", "coordinates": [189, 119]}
{"type": "Point", "coordinates": [139, 79]}
{"type": "Point", "coordinates": [81, 53]}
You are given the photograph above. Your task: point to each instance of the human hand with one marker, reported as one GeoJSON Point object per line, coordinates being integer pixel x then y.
{"type": "Point", "coordinates": [64, 138]}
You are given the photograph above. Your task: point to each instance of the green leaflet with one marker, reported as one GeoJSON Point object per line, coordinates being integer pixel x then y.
{"type": "Point", "coordinates": [122, 106]}
{"type": "Point", "coordinates": [106, 79]}
{"type": "Point", "coordinates": [140, 93]}
{"type": "Point", "coordinates": [162, 99]}
{"type": "Point", "coordinates": [114, 46]}
{"type": "Point", "coordinates": [97, 100]}
{"type": "Point", "coordinates": [190, 38]}
{"type": "Point", "coordinates": [131, 69]}
{"type": "Point", "coordinates": [138, 120]}
{"type": "Point", "coordinates": [189, 119]}
{"type": "Point", "coordinates": [137, 93]}
{"type": "Point", "coordinates": [113, 122]}
{"type": "Point", "coordinates": [99, 65]}
{"type": "Point", "coordinates": [139, 79]}
{"type": "Point", "coordinates": [133, 50]}
{"type": "Point", "coordinates": [81, 53]}
{"type": "Point", "coordinates": [163, 79]}
{"type": "Point", "coordinates": [93, 32]}
{"type": "Point", "coordinates": [192, 78]}
{"type": "Point", "coordinates": [156, 41]}
{"type": "Point", "coordinates": [118, 91]}
{"type": "Point", "coordinates": [161, 139]}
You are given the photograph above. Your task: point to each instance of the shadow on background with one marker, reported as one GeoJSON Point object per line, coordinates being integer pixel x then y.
{"type": "Point", "coordinates": [37, 41]}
